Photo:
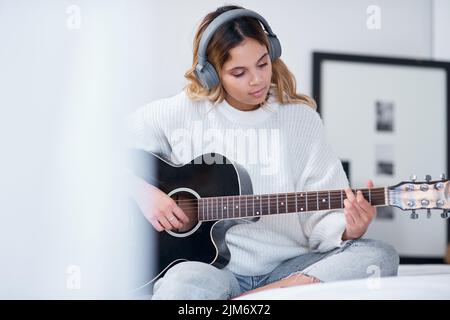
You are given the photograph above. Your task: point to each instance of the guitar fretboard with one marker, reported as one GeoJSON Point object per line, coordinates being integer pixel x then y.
{"type": "Point", "coordinates": [246, 206]}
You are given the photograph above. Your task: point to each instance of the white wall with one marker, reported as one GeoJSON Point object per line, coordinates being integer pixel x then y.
{"type": "Point", "coordinates": [441, 30]}
{"type": "Point", "coordinates": [302, 27]}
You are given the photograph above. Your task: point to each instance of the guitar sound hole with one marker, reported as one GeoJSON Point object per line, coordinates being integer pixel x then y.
{"type": "Point", "coordinates": [188, 203]}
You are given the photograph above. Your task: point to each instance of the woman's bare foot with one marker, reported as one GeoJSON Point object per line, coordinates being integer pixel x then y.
{"type": "Point", "coordinates": [293, 280]}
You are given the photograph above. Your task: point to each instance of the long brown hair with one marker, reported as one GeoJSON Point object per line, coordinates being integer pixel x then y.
{"type": "Point", "coordinates": [228, 36]}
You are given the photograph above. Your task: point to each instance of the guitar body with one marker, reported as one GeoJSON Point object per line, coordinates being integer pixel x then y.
{"type": "Point", "coordinates": [199, 241]}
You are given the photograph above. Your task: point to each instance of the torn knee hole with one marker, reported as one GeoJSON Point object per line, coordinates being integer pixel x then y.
{"type": "Point", "coordinates": [301, 278]}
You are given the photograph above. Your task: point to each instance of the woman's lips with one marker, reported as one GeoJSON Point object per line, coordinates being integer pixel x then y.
{"type": "Point", "coordinates": [258, 93]}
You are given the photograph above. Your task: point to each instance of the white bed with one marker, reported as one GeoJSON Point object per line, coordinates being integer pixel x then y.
{"type": "Point", "coordinates": [413, 282]}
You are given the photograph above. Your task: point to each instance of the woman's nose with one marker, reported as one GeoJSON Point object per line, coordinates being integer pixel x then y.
{"type": "Point", "coordinates": [255, 79]}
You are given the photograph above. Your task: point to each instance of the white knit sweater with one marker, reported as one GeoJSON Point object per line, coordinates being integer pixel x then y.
{"type": "Point", "coordinates": [282, 147]}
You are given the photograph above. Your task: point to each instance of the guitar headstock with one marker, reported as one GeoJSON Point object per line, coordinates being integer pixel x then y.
{"type": "Point", "coordinates": [417, 195]}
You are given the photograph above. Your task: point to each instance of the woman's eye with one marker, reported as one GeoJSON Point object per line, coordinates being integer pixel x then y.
{"type": "Point", "coordinates": [241, 74]}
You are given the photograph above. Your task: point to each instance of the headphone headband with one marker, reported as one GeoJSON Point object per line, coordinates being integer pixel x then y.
{"type": "Point", "coordinates": [204, 70]}
{"type": "Point", "coordinates": [220, 20]}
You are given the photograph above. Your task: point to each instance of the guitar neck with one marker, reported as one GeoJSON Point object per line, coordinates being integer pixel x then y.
{"type": "Point", "coordinates": [247, 206]}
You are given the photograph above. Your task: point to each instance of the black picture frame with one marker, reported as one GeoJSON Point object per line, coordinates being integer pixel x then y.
{"type": "Point", "coordinates": [319, 58]}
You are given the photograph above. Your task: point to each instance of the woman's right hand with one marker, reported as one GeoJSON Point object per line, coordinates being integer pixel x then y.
{"type": "Point", "coordinates": [157, 207]}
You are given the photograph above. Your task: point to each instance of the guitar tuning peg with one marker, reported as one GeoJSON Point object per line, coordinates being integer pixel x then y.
{"type": "Point", "coordinates": [414, 215]}
{"type": "Point", "coordinates": [413, 177]}
{"type": "Point", "coordinates": [442, 176]}
{"type": "Point", "coordinates": [428, 178]}
{"type": "Point", "coordinates": [428, 213]}
{"type": "Point", "coordinates": [445, 214]}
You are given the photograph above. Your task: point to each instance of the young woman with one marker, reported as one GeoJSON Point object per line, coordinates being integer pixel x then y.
{"type": "Point", "coordinates": [239, 88]}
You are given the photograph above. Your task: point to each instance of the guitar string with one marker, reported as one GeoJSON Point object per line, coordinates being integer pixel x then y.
{"type": "Point", "coordinates": [214, 215]}
{"type": "Point", "coordinates": [217, 213]}
{"type": "Point", "coordinates": [265, 201]}
{"type": "Point", "coordinates": [214, 205]}
{"type": "Point", "coordinates": [244, 198]}
{"type": "Point", "coordinates": [375, 197]}
{"type": "Point", "coordinates": [299, 194]}
{"type": "Point", "coordinates": [376, 194]}
{"type": "Point", "coordinates": [290, 195]}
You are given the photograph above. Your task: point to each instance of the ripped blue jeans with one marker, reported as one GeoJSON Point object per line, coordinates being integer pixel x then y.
{"type": "Point", "coordinates": [355, 259]}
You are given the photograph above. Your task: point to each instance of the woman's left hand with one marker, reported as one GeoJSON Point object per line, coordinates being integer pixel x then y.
{"type": "Point", "coordinates": [358, 214]}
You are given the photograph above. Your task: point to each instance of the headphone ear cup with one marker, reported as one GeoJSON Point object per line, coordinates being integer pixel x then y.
{"type": "Point", "coordinates": [208, 77]}
{"type": "Point", "coordinates": [275, 48]}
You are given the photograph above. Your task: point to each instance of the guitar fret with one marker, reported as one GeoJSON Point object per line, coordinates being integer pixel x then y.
{"type": "Point", "coordinates": [286, 203]}
{"type": "Point", "coordinates": [278, 210]}
{"type": "Point", "coordinates": [306, 194]}
{"type": "Point", "coordinates": [208, 212]}
{"type": "Point", "coordinates": [370, 197]}
{"type": "Point", "coordinates": [211, 209]}
{"type": "Point", "coordinates": [301, 198]}
{"type": "Point", "coordinates": [268, 203]}
{"type": "Point", "coordinates": [260, 205]}
{"type": "Point", "coordinates": [296, 205]}
{"type": "Point", "coordinates": [246, 211]}
{"type": "Point", "coordinates": [239, 207]}
{"type": "Point", "coordinates": [253, 205]}
{"type": "Point", "coordinates": [386, 196]}
{"type": "Point", "coordinates": [281, 202]}
{"type": "Point", "coordinates": [317, 195]}
{"type": "Point", "coordinates": [203, 209]}
{"type": "Point", "coordinates": [329, 202]}
{"type": "Point", "coordinates": [226, 208]}
{"type": "Point", "coordinates": [256, 210]}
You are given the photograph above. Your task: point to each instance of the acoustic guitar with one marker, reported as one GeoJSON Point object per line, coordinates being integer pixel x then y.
{"type": "Point", "coordinates": [216, 194]}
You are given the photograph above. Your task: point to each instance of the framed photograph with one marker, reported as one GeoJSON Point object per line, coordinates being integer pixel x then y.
{"type": "Point", "coordinates": [388, 119]}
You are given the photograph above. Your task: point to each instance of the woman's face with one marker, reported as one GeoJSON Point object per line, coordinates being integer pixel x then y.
{"type": "Point", "coordinates": [246, 75]}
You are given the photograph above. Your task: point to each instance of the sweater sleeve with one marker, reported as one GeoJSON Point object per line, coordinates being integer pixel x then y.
{"type": "Point", "coordinates": [323, 171]}
{"type": "Point", "coordinates": [144, 131]}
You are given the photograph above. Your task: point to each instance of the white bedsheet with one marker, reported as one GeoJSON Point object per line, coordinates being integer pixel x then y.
{"type": "Point", "coordinates": [412, 282]}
